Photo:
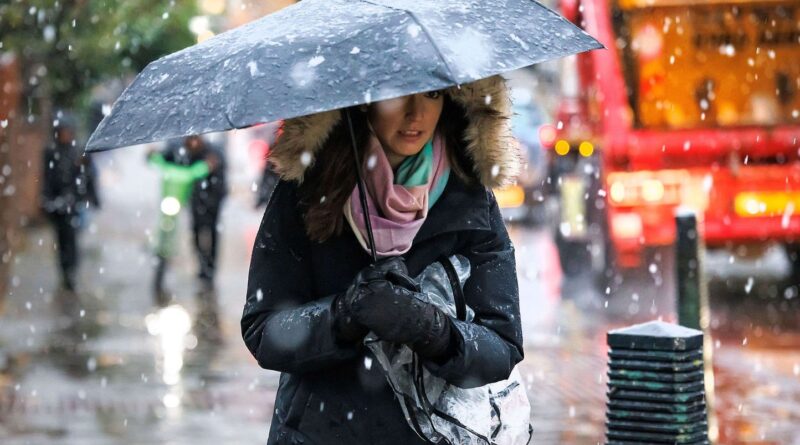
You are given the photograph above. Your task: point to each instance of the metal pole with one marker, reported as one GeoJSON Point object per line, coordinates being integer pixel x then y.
{"type": "Point", "coordinates": [691, 291]}
{"type": "Point", "coordinates": [693, 302]}
{"type": "Point", "coordinates": [362, 192]}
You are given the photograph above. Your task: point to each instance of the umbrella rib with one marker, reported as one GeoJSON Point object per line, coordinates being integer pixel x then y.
{"type": "Point", "coordinates": [427, 34]}
{"type": "Point", "coordinates": [230, 122]}
{"type": "Point", "coordinates": [436, 47]}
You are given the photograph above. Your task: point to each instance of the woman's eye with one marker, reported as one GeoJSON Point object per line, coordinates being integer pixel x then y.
{"type": "Point", "coordinates": [433, 94]}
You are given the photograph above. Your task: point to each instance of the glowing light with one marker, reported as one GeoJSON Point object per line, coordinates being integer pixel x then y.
{"type": "Point", "coordinates": [626, 225]}
{"type": "Point", "coordinates": [617, 192]}
{"type": "Point", "coordinates": [212, 7]}
{"type": "Point", "coordinates": [652, 190]}
{"type": "Point", "coordinates": [205, 35]}
{"type": "Point", "coordinates": [648, 42]}
{"type": "Point", "coordinates": [510, 197]}
{"type": "Point", "coordinates": [586, 149]}
{"type": "Point", "coordinates": [562, 147]}
{"type": "Point", "coordinates": [170, 324]}
{"type": "Point", "coordinates": [767, 204]}
{"type": "Point", "coordinates": [547, 135]}
{"type": "Point", "coordinates": [199, 24]}
{"type": "Point", "coordinates": [170, 205]}
{"type": "Point", "coordinates": [171, 401]}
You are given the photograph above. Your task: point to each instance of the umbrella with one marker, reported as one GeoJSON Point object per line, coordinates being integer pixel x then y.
{"type": "Point", "coordinates": [319, 55]}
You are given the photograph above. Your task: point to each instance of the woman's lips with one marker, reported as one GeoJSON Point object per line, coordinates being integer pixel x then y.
{"type": "Point", "coordinates": [410, 135]}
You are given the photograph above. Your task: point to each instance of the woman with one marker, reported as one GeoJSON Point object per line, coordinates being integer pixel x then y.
{"type": "Point", "coordinates": [429, 162]}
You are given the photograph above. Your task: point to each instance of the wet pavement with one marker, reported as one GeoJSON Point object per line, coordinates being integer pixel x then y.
{"type": "Point", "coordinates": [106, 367]}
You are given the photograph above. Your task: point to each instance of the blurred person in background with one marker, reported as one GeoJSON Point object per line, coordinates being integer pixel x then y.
{"type": "Point", "coordinates": [68, 190]}
{"type": "Point", "coordinates": [205, 201]}
{"type": "Point", "coordinates": [177, 182]}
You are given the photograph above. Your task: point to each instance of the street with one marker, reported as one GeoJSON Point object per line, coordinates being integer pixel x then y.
{"type": "Point", "coordinates": [104, 367]}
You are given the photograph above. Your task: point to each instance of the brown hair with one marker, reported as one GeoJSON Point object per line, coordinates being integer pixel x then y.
{"type": "Point", "coordinates": [331, 179]}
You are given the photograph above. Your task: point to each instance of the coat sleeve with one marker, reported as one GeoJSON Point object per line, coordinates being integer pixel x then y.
{"type": "Point", "coordinates": [89, 170]}
{"type": "Point", "coordinates": [284, 325]}
{"type": "Point", "coordinates": [486, 349]}
{"type": "Point", "coordinates": [48, 191]}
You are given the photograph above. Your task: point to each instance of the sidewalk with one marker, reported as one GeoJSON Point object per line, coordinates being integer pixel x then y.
{"type": "Point", "coordinates": [86, 370]}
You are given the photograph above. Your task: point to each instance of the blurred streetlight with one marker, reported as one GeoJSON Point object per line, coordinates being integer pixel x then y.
{"type": "Point", "coordinates": [201, 27]}
{"type": "Point", "coordinates": [199, 24]}
{"type": "Point", "coordinates": [212, 7]}
{"type": "Point", "coordinates": [205, 36]}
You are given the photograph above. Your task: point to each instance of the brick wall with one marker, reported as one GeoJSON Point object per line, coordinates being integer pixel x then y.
{"type": "Point", "coordinates": [21, 144]}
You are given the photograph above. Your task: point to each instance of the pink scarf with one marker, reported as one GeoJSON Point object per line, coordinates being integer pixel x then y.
{"type": "Point", "coordinates": [395, 211]}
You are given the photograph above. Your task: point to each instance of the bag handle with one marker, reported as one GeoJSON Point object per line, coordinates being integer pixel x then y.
{"type": "Point", "coordinates": [455, 284]}
{"type": "Point", "coordinates": [422, 394]}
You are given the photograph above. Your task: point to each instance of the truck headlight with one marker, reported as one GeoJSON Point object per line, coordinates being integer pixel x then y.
{"type": "Point", "coordinates": [626, 226]}
{"type": "Point", "coordinates": [652, 190]}
{"type": "Point", "coordinates": [617, 191]}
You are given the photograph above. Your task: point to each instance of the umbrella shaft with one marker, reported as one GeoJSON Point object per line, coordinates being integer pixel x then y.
{"type": "Point", "coordinates": [362, 192]}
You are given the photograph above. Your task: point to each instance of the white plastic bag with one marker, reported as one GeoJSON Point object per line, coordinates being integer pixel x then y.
{"type": "Point", "coordinates": [440, 413]}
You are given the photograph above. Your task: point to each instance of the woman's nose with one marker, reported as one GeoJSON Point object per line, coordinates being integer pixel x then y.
{"type": "Point", "coordinates": [414, 107]}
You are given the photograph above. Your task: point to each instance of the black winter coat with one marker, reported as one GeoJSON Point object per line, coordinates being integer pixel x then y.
{"type": "Point", "coordinates": [332, 393]}
{"type": "Point", "coordinates": [68, 180]}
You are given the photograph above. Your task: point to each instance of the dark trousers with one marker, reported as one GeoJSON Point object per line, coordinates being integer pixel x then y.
{"type": "Point", "coordinates": [66, 229]}
{"type": "Point", "coordinates": [204, 226]}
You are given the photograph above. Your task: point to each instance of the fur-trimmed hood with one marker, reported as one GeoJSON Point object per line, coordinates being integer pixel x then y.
{"type": "Point", "coordinates": [489, 142]}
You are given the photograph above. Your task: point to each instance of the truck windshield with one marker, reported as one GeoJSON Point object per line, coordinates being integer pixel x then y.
{"type": "Point", "coordinates": [710, 63]}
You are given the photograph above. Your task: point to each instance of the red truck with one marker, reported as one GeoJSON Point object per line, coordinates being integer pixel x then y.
{"type": "Point", "coordinates": [694, 103]}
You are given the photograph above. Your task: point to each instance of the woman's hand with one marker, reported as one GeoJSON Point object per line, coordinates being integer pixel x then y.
{"type": "Point", "coordinates": [397, 314]}
{"type": "Point", "coordinates": [346, 328]}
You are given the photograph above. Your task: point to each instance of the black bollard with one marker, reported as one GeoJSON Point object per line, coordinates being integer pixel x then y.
{"type": "Point", "coordinates": [692, 295]}
{"type": "Point", "coordinates": [656, 391]}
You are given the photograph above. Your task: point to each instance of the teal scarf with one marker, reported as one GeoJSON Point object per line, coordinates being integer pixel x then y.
{"type": "Point", "coordinates": [416, 170]}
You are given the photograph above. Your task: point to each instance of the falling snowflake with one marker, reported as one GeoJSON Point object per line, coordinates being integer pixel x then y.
{"type": "Point", "coordinates": [519, 41]}
{"type": "Point", "coordinates": [316, 61]}
{"type": "Point", "coordinates": [749, 285]}
{"type": "Point", "coordinates": [253, 67]}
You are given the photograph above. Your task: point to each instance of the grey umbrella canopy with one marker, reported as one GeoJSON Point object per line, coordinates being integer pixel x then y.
{"type": "Point", "coordinates": [319, 55]}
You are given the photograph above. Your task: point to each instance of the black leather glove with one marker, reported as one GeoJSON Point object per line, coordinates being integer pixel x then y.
{"type": "Point", "coordinates": [396, 314]}
{"type": "Point", "coordinates": [345, 327]}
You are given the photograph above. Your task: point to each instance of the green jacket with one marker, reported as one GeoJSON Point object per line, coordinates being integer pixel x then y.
{"type": "Point", "coordinates": [177, 180]}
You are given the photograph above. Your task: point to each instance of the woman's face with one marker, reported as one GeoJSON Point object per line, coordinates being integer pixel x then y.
{"type": "Point", "coordinates": [405, 124]}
